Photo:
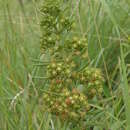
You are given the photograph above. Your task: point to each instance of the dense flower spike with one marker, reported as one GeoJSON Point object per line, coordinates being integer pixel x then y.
{"type": "Point", "coordinates": [53, 23]}
{"type": "Point", "coordinates": [68, 105]}
{"type": "Point", "coordinates": [65, 73]}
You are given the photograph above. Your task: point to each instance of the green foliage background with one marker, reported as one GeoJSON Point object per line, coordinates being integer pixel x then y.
{"type": "Point", "coordinates": [107, 26]}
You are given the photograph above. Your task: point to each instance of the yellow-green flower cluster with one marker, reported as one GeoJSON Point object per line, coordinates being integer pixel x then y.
{"type": "Point", "coordinates": [66, 104]}
{"type": "Point", "coordinates": [78, 44]}
{"type": "Point", "coordinates": [58, 70]}
{"type": "Point", "coordinates": [53, 23]}
{"type": "Point", "coordinates": [93, 80]}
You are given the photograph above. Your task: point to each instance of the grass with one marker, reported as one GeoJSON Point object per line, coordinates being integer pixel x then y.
{"type": "Point", "coordinates": [107, 26]}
